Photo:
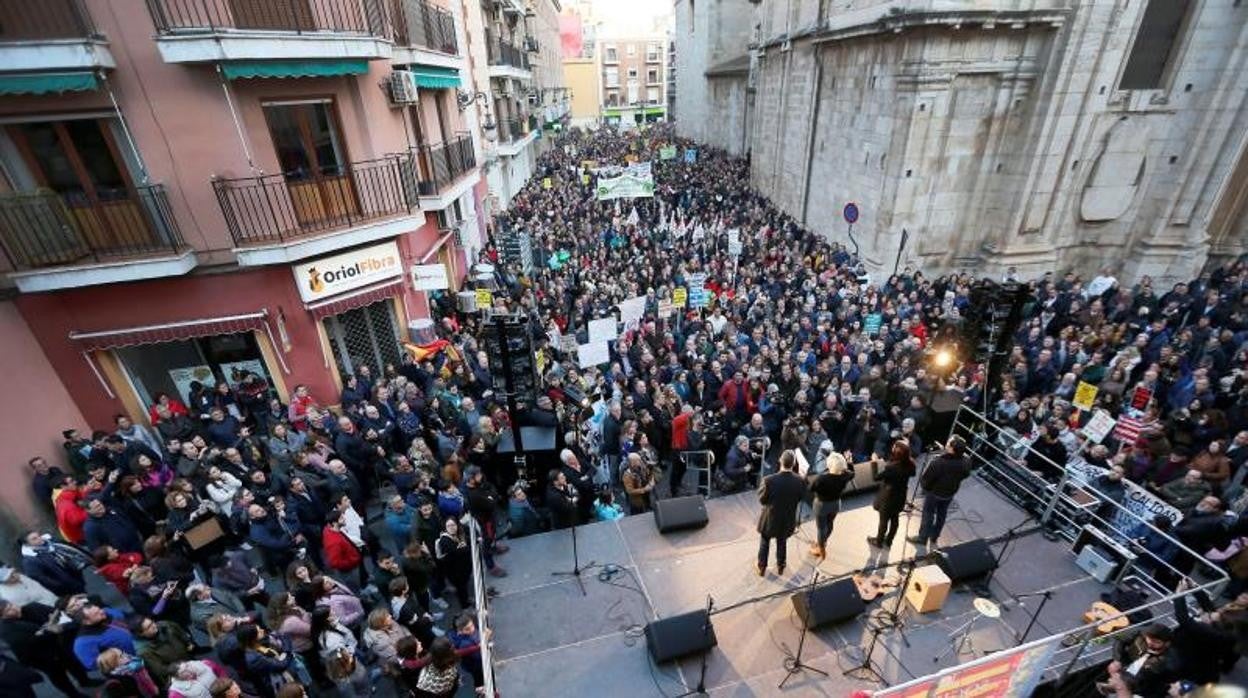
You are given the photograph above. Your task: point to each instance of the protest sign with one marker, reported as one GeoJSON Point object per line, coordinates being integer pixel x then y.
{"type": "Point", "coordinates": [1137, 502]}
{"type": "Point", "coordinates": [625, 187]}
{"type": "Point", "coordinates": [679, 297]}
{"type": "Point", "coordinates": [631, 310]}
{"type": "Point", "coordinates": [734, 242]}
{"type": "Point", "coordinates": [567, 343]}
{"type": "Point", "coordinates": [547, 183]}
{"type": "Point", "coordinates": [691, 155]}
{"type": "Point", "coordinates": [602, 330]}
{"type": "Point", "coordinates": [593, 354]}
{"type": "Point", "coordinates": [667, 152]}
{"type": "Point", "coordinates": [1085, 396]}
{"type": "Point", "coordinates": [1099, 426]}
{"type": "Point", "coordinates": [485, 299]}
{"type": "Point", "coordinates": [872, 323]}
{"type": "Point", "coordinates": [1140, 398]}
{"type": "Point", "coordinates": [666, 308]}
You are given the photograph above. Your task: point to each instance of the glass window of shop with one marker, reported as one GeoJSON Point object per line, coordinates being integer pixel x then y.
{"type": "Point", "coordinates": [364, 336]}
{"type": "Point", "coordinates": [171, 367]}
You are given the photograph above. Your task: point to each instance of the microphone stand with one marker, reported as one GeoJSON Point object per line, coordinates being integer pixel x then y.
{"type": "Point", "coordinates": [793, 663]}
{"type": "Point", "coordinates": [866, 670]}
{"type": "Point", "coordinates": [1044, 598]}
{"type": "Point", "coordinates": [700, 690]}
{"type": "Point", "coordinates": [577, 569]}
{"type": "Point", "coordinates": [1010, 535]}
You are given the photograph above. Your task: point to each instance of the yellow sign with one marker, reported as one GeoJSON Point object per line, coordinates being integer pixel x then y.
{"type": "Point", "coordinates": [546, 183]}
{"type": "Point", "coordinates": [1085, 395]}
{"type": "Point", "coordinates": [485, 299]}
{"type": "Point", "coordinates": [584, 178]}
{"type": "Point", "coordinates": [679, 297]}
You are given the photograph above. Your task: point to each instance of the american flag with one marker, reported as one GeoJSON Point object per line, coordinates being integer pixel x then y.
{"type": "Point", "coordinates": [1128, 429]}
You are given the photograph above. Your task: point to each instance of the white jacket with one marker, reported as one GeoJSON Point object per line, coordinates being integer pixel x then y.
{"type": "Point", "coordinates": [222, 492]}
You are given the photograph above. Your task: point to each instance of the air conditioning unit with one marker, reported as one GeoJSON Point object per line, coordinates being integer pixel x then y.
{"type": "Point", "coordinates": [402, 88]}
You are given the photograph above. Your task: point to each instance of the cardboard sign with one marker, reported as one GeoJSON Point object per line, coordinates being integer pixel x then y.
{"type": "Point", "coordinates": [734, 242]}
{"type": "Point", "coordinates": [1085, 396]}
{"type": "Point", "coordinates": [602, 330]}
{"type": "Point", "coordinates": [632, 310]}
{"type": "Point", "coordinates": [1099, 426]}
{"type": "Point", "coordinates": [679, 297]}
{"type": "Point", "coordinates": [1140, 398]}
{"type": "Point", "coordinates": [872, 323]}
{"type": "Point", "coordinates": [593, 354]}
{"type": "Point", "coordinates": [567, 343]}
{"type": "Point", "coordinates": [666, 308]}
{"type": "Point", "coordinates": [485, 299]}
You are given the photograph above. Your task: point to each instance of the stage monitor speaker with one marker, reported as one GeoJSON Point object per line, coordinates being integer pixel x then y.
{"type": "Point", "coordinates": [830, 603]}
{"type": "Point", "coordinates": [679, 636]}
{"type": "Point", "coordinates": [680, 513]}
{"type": "Point", "coordinates": [967, 560]}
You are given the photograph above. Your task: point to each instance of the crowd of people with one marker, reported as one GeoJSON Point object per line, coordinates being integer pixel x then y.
{"type": "Point", "coordinates": [250, 547]}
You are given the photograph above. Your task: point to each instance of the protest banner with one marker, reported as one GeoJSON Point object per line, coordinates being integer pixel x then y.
{"type": "Point", "coordinates": [1085, 396]}
{"type": "Point", "coordinates": [625, 187]}
{"type": "Point", "coordinates": [679, 297]}
{"type": "Point", "coordinates": [1137, 504]}
{"type": "Point", "coordinates": [667, 152]}
{"type": "Point", "coordinates": [1010, 673]}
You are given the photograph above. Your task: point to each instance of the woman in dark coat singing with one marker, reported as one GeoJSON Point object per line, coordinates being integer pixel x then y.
{"type": "Point", "coordinates": [891, 497]}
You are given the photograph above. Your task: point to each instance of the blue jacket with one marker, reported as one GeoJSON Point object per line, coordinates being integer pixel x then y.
{"type": "Point", "coordinates": [88, 645]}
{"type": "Point", "coordinates": [112, 529]}
{"type": "Point", "coordinates": [399, 523]}
{"type": "Point", "coordinates": [43, 567]}
{"type": "Point", "coordinates": [268, 534]}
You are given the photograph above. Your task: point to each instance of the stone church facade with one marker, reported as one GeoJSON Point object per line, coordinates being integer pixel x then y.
{"type": "Point", "coordinates": [1038, 134]}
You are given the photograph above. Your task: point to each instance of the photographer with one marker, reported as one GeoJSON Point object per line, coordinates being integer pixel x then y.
{"type": "Point", "coordinates": [738, 466]}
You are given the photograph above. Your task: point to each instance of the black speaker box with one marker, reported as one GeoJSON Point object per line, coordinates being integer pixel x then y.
{"type": "Point", "coordinates": [679, 513]}
{"type": "Point", "coordinates": [967, 560]}
{"type": "Point", "coordinates": [830, 603]}
{"type": "Point", "coordinates": [678, 636]}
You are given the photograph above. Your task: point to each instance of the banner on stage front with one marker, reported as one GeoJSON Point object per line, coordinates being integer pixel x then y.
{"type": "Point", "coordinates": [1137, 501]}
{"type": "Point", "coordinates": [602, 330]}
{"type": "Point", "coordinates": [625, 186]}
{"type": "Point", "coordinates": [1012, 673]}
{"type": "Point", "coordinates": [593, 354]}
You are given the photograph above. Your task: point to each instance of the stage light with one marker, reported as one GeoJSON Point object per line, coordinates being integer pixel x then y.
{"type": "Point", "coordinates": [943, 359]}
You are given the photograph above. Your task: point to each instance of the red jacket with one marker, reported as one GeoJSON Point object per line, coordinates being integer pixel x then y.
{"type": "Point", "coordinates": [340, 553]}
{"type": "Point", "coordinates": [680, 431]}
{"type": "Point", "coordinates": [115, 571]}
{"type": "Point", "coordinates": [70, 516]}
{"type": "Point", "coordinates": [728, 394]}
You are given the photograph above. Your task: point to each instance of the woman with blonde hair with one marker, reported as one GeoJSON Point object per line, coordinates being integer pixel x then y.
{"type": "Point", "coordinates": [125, 675]}
{"type": "Point", "coordinates": [382, 636]}
{"type": "Point", "coordinates": [827, 488]}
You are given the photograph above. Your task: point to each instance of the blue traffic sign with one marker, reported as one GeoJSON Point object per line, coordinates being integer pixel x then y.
{"type": "Point", "coordinates": [851, 212]}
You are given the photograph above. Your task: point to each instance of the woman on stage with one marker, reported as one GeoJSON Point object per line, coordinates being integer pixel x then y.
{"type": "Point", "coordinates": [827, 488]}
{"type": "Point", "coordinates": [891, 497]}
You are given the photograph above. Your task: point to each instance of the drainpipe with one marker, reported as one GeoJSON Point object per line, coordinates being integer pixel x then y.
{"type": "Point", "coordinates": [812, 134]}
{"type": "Point", "coordinates": [125, 127]}
{"type": "Point", "coordinates": [238, 126]}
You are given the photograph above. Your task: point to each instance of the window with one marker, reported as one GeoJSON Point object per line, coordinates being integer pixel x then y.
{"type": "Point", "coordinates": [652, 53]}
{"type": "Point", "coordinates": [75, 158]}
{"type": "Point", "coordinates": [632, 50]}
{"type": "Point", "coordinates": [652, 95]}
{"type": "Point", "coordinates": [613, 99]}
{"type": "Point", "coordinates": [612, 76]}
{"type": "Point", "coordinates": [310, 153]}
{"type": "Point", "coordinates": [632, 72]}
{"type": "Point", "coordinates": [611, 56]}
{"type": "Point", "coordinates": [633, 92]}
{"type": "Point", "coordinates": [1154, 44]}
{"type": "Point", "coordinates": [652, 76]}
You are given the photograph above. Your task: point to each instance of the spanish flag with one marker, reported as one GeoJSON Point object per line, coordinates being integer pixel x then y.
{"type": "Point", "coordinates": [421, 352]}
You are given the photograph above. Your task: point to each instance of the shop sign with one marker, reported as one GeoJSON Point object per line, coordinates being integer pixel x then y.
{"type": "Point", "coordinates": [330, 276]}
{"type": "Point", "coordinates": [430, 277]}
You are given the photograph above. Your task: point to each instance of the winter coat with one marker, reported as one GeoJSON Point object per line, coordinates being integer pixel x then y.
{"type": "Point", "coordinates": [112, 529]}
{"type": "Point", "coordinates": [894, 479]}
{"type": "Point", "coordinates": [340, 553]}
{"type": "Point", "coordinates": [780, 495]}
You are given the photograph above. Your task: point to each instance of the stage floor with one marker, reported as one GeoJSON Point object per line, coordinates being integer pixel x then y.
{"type": "Point", "coordinates": [551, 640]}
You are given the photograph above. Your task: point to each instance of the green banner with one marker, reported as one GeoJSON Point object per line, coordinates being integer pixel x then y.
{"type": "Point", "coordinates": [625, 187]}
{"type": "Point", "coordinates": [667, 152]}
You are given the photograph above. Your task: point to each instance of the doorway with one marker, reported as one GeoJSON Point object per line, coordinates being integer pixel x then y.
{"type": "Point", "coordinates": [314, 163]}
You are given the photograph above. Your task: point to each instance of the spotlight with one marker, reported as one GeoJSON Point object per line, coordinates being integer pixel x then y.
{"type": "Point", "coordinates": [943, 359]}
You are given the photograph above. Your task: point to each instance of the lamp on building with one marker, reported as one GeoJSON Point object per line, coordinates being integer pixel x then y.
{"type": "Point", "coordinates": [465, 99]}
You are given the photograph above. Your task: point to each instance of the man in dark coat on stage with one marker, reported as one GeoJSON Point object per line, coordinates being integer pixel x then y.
{"type": "Point", "coordinates": [779, 494]}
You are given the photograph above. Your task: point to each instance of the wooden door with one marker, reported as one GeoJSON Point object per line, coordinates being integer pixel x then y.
{"type": "Point", "coordinates": [313, 161]}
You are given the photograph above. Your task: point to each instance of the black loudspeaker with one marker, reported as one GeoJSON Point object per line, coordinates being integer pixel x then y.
{"type": "Point", "coordinates": [678, 636]}
{"type": "Point", "coordinates": [679, 513]}
{"type": "Point", "coordinates": [829, 603]}
{"type": "Point", "coordinates": [967, 560]}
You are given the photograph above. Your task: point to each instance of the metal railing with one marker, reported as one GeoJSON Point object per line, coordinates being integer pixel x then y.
{"type": "Point", "coordinates": [282, 207]}
{"type": "Point", "coordinates": [503, 53]}
{"type": "Point", "coordinates": [46, 229]}
{"type": "Point", "coordinates": [366, 17]}
{"type": "Point", "coordinates": [421, 23]}
{"type": "Point", "coordinates": [440, 164]}
{"type": "Point", "coordinates": [514, 129]}
{"type": "Point", "coordinates": [47, 19]}
{"type": "Point", "coordinates": [482, 602]}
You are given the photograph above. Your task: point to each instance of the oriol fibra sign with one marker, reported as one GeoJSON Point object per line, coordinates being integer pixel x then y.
{"type": "Point", "coordinates": [329, 276]}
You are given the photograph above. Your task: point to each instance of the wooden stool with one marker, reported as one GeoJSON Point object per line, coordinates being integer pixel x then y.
{"type": "Point", "coordinates": [929, 587]}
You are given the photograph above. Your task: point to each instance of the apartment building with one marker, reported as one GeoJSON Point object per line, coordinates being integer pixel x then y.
{"type": "Point", "coordinates": [190, 189]}
{"type": "Point", "coordinates": [634, 79]}
{"type": "Point", "coordinates": [581, 74]}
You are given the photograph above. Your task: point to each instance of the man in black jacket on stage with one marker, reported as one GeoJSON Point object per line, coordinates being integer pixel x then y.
{"type": "Point", "coordinates": [779, 494]}
{"type": "Point", "coordinates": [940, 482]}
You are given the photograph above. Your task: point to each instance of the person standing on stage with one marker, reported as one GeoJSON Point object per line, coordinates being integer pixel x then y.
{"type": "Point", "coordinates": [779, 494]}
{"type": "Point", "coordinates": [827, 488]}
{"type": "Point", "coordinates": [940, 482]}
{"type": "Point", "coordinates": [891, 497]}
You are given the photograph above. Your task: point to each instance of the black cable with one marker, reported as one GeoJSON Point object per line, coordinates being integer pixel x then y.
{"type": "Point", "coordinates": [631, 630]}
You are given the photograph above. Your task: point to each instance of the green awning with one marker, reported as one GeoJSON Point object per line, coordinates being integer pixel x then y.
{"type": "Point", "coordinates": [44, 83]}
{"type": "Point", "coordinates": [435, 78]}
{"type": "Point", "coordinates": [236, 70]}
{"type": "Point", "coordinates": [655, 110]}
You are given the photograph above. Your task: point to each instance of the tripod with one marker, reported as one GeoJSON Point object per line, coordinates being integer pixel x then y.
{"type": "Point", "coordinates": [891, 619]}
{"type": "Point", "coordinates": [866, 670]}
{"type": "Point", "coordinates": [964, 642]}
{"type": "Point", "coordinates": [1044, 598]}
{"type": "Point", "coordinates": [577, 569]}
{"type": "Point", "coordinates": [700, 689]}
{"type": "Point", "coordinates": [793, 664]}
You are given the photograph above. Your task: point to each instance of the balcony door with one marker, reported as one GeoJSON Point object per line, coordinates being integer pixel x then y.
{"type": "Point", "coordinates": [284, 15]}
{"type": "Point", "coordinates": [314, 162]}
{"type": "Point", "coordinates": [78, 167]}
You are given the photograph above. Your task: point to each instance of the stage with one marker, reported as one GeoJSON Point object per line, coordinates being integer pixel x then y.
{"type": "Point", "coordinates": [551, 639]}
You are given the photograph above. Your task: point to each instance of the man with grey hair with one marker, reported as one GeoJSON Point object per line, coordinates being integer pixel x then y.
{"type": "Point", "coordinates": [739, 465]}
{"type": "Point", "coordinates": [581, 477]}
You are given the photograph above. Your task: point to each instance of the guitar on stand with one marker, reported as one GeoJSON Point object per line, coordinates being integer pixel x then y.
{"type": "Point", "coordinates": [872, 587]}
{"type": "Point", "coordinates": [1108, 620]}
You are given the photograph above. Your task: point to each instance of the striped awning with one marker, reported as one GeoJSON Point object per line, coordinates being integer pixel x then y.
{"type": "Point", "coordinates": [236, 70]}
{"type": "Point", "coordinates": [48, 83]}
{"type": "Point", "coordinates": [356, 299]}
{"type": "Point", "coordinates": [169, 332]}
{"type": "Point", "coordinates": [435, 78]}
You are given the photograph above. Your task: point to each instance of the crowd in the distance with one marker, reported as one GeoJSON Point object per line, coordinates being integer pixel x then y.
{"type": "Point", "coordinates": [252, 547]}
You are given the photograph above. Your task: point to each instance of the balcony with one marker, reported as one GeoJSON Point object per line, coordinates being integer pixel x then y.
{"type": "Point", "coordinates": [441, 170]}
{"type": "Point", "coordinates": [424, 34]}
{"type": "Point", "coordinates": [50, 35]}
{"type": "Point", "coordinates": [280, 218]}
{"type": "Point", "coordinates": [507, 61]}
{"type": "Point", "coordinates": [201, 31]}
{"type": "Point", "coordinates": [55, 241]}
{"type": "Point", "coordinates": [515, 134]}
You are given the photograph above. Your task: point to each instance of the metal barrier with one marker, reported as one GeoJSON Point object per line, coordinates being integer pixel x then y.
{"type": "Point", "coordinates": [366, 17]}
{"type": "Point", "coordinates": [481, 600]}
{"type": "Point", "coordinates": [998, 456]}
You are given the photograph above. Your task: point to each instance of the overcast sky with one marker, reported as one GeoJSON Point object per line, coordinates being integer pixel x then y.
{"type": "Point", "coordinates": [630, 17]}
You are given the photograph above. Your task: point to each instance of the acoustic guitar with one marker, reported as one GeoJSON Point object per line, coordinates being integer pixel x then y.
{"type": "Point", "coordinates": [1100, 611]}
{"type": "Point", "coordinates": [874, 586]}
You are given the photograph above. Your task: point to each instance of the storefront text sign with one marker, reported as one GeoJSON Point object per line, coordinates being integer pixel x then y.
{"type": "Point", "coordinates": [329, 276]}
{"type": "Point", "coordinates": [430, 277]}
